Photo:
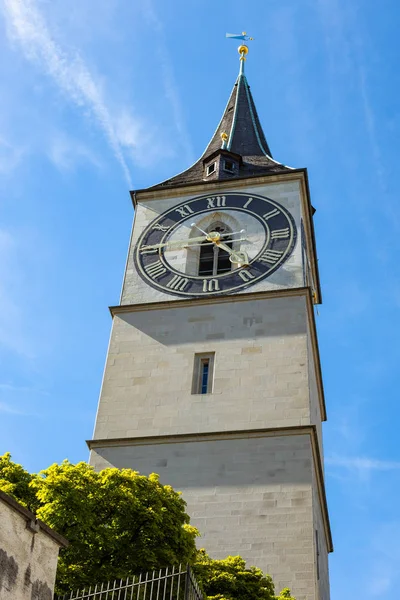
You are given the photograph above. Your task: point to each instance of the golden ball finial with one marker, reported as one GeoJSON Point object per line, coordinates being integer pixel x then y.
{"type": "Point", "coordinates": [243, 50]}
{"type": "Point", "coordinates": [224, 136]}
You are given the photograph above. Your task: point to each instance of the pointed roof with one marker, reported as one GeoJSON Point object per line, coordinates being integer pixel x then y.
{"type": "Point", "coordinates": [245, 138]}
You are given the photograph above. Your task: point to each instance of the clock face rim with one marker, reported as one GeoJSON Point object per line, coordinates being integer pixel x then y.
{"type": "Point", "coordinates": [137, 256]}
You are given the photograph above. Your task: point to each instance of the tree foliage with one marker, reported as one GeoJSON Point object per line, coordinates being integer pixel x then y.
{"type": "Point", "coordinates": [117, 521]}
{"type": "Point", "coordinates": [120, 523]}
{"type": "Point", "coordinates": [229, 579]}
{"type": "Point", "coordinates": [15, 481]}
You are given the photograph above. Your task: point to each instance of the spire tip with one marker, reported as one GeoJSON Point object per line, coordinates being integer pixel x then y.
{"type": "Point", "coordinates": [243, 51]}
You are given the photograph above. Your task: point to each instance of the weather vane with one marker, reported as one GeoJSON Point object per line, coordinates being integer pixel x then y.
{"type": "Point", "coordinates": [239, 36]}
{"type": "Point", "coordinates": [243, 49]}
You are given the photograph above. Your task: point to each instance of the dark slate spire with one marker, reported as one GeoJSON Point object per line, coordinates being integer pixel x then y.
{"type": "Point", "coordinates": [239, 139]}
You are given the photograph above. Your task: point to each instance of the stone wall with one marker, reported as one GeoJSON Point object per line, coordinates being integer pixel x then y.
{"type": "Point", "coordinates": [249, 494]}
{"type": "Point", "coordinates": [28, 553]}
{"type": "Point", "coordinates": [261, 371]}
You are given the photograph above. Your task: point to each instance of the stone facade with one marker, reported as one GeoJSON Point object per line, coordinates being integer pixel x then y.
{"type": "Point", "coordinates": [263, 371]}
{"type": "Point", "coordinates": [28, 553]}
{"type": "Point", "coordinates": [247, 456]}
{"type": "Point", "coordinates": [248, 494]}
{"type": "Point", "coordinates": [242, 489]}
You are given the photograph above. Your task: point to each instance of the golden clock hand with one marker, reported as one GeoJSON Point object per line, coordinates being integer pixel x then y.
{"type": "Point", "coordinates": [215, 235]}
{"type": "Point", "coordinates": [224, 247]}
{"type": "Point", "coordinates": [173, 244]}
{"type": "Point", "coordinates": [235, 256]}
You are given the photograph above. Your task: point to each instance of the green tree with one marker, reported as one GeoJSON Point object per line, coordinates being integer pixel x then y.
{"type": "Point", "coordinates": [117, 521]}
{"type": "Point", "coordinates": [230, 580]}
{"type": "Point", "coordinates": [15, 481]}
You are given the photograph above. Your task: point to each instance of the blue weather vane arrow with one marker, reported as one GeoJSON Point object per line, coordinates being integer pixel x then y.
{"type": "Point", "coordinates": [243, 49]}
{"type": "Point", "coordinates": [239, 36]}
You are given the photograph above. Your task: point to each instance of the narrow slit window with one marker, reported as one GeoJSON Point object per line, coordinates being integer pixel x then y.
{"type": "Point", "coordinates": [203, 373]}
{"type": "Point", "coordinates": [317, 551]}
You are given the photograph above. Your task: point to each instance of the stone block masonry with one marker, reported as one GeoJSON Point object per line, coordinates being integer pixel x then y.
{"type": "Point", "coordinates": [245, 456]}
{"type": "Point", "coordinates": [262, 369]}
{"type": "Point", "coordinates": [248, 494]}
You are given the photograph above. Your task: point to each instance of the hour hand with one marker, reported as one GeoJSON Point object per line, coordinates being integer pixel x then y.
{"type": "Point", "coordinates": [235, 256]}
{"type": "Point", "coordinates": [173, 245]}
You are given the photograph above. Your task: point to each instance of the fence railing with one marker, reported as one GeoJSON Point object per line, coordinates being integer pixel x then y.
{"type": "Point", "coordinates": [171, 583]}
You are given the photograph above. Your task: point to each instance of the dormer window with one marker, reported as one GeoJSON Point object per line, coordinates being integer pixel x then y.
{"type": "Point", "coordinates": [229, 166]}
{"type": "Point", "coordinates": [211, 168]}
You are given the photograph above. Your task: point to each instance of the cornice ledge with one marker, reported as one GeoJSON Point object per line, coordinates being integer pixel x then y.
{"type": "Point", "coordinates": [166, 304]}
{"type": "Point", "coordinates": [175, 438]}
{"type": "Point", "coordinates": [193, 188]}
{"type": "Point", "coordinates": [32, 520]}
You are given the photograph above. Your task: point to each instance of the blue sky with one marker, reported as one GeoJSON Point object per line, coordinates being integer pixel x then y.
{"type": "Point", "coordinates": [98, 97]}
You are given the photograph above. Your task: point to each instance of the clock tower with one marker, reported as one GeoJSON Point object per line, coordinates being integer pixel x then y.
{"type": "Point", "coordinates": [213, 378]}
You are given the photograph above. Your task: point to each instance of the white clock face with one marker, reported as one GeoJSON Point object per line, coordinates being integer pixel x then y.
{"type": "Point", "coordinates": [213, 245]}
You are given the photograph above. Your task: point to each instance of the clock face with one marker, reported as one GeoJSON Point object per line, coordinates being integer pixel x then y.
{"type": "Point", "coordinates": [252, 235]}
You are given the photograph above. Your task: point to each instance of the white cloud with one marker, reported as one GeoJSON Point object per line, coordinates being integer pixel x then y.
{"type": "Point", "coordinates": [67, 153]}
{"type": "Point", "coordinates": [381, 582]}
{"type": "Point", "coordinates": [10, 156]}
{"type": "Point", "coordinates": [11, 410]}
{"type": "Point", "coordinates": [170, 86]}
{"type": "Point", "coordinates": [140, 140]}
{"type": "Point", "coordinates": [362, 464]}
{"type": "Point", "coordinates": [27, 26]}
{"type": "Point", "coordinates": [15, 248]}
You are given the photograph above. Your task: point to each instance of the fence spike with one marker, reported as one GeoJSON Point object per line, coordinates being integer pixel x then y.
{"type": "Point", "coordinates": [169, 577]}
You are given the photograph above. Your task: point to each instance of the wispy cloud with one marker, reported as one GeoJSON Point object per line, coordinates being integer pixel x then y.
{"type": "Point", "coordinates": [135, 136]}
{"type": "Point", "coordinates": [344, 30]}
{"type": "Point", "coordinates": [168, 77]}
{"type": "Point", "coordinates": [15, 278]}
{"type": "Point", "coordinates": [20, 389]}
{"type": "Point", "coordinates": [27, 26]}
{"type": "Point", "coordinates": [66, 153]}
{"type": "Point", "coordinates": [382, 581]}
{"type": "Point", "coordinates": [10, 156]}
{"type": "Point", "coordinates": [11, 410]}
{"type": "Point", "coordinates": [362, 464]}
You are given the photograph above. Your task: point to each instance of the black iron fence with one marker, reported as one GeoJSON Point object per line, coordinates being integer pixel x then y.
{"type": "Point", "coordinates": [174, 583]}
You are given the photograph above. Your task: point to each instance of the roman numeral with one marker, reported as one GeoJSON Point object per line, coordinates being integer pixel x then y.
{"type": "Point", "coordinates": [210, 285]}
{"type": "Point", "coordinates": [245, 275]}
{"type": "Point", "coordinates": [247, 203]}
{"type": "Point", "coordinates": [184, 210]}
{"type": "Point", "coordinates": [271, 256]}
{"type": "Point", "coordinates": [161, 227]}
{"type": "Point", "coordinates": [178, 283]}
{"type": "Point", "coordinates": [216, 202]}
{"type": "Point", "coordinates": [155, 269]}
{"type": "Point", "coordinates": [280, 233]}
{"type": "Point", "coordinates": [271, 213]}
